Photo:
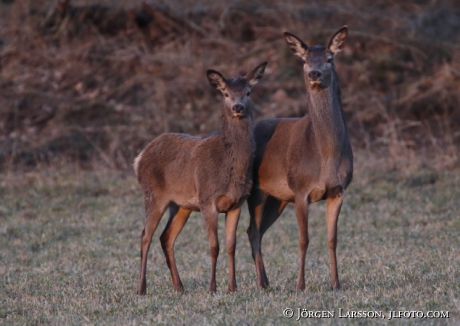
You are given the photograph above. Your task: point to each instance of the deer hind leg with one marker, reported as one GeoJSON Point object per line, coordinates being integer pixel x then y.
{"type": "Point", "coordinates": [301, 208]}
{"type": "Point", "coordinates": [210, 215]}
{"type": "Point", "coordinates": [177, 219]}
{"type": "Point", "coordinates": [231, 223]}
{"type": "Point", "coordinates": [256, 202]}
{"type": "Point", "coordinates": [153, 216]}
{"type": "Point", "coordinates": [272, 210]}
{"type": "Point", "coordinates": [333, 206]}
{"type": "Point", "coordinates": [264, 211]}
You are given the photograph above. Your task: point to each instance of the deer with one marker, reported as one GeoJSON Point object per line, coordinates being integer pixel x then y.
{"type": "Point", "coordinates": [211, 174]}
{"type": "Point", "coordinates": [303, 160]}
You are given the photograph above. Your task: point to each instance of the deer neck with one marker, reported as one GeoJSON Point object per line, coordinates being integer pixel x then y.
{"type": "Point", "coordinates": [238, 140]}
{"type": "Point", "coordinates": [326, 114]}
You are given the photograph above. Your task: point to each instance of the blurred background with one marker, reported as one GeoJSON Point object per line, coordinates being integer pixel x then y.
{"type": "Point", "coordinates": [92, 82]}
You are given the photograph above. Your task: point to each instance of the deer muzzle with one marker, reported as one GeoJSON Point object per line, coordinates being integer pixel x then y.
{"type": "Point", "coordinates": [238, 110]}
{"type": "Point", "coordinates": [314, 75]}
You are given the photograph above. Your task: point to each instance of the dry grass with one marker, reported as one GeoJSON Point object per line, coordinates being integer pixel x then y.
{"type": "Point", "coordinates": [103, 80]}
{"type": "Point", "coordinates": [70, 254]}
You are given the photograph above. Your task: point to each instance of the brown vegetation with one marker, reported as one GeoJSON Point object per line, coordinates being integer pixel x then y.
{"type": "Point", "coordinates": [95, 83]}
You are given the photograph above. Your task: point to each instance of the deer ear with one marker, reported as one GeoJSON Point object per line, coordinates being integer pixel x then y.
{"type": "Point", "coordinates": [256, 74]}
{"type": "Point", "coordinates": [337, 41]}
{"type": "Point", "coordinates": [297, 46]}
{"type": "Point", "coordinates": [216, 79]}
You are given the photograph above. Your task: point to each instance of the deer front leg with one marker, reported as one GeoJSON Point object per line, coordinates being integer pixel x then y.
{"type": "Point", "coordinates": [210, 215]}
{"type": "Point", "coordinates": [301, 208]}
{"type": "Point", "coordinates": [231, 222]}
{"type": "Point", "coordinates": [333, 206]}
{"type": "Point", "coordinates": [177, 219]}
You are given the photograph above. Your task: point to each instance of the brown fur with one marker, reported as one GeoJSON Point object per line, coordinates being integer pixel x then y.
{"type": "Point", "coordinates": [211, 174]}
{"type": "Point", "coordinates": [304, 160]}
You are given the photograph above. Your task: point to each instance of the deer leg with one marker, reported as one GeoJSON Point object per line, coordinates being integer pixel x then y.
{"type": "Point", "coordinates": [177, 219]}
{"type": "Point", "coordinates": [153, 217]}
{"type": "Point", "coordinates": [256, 202]}
{"type": "Point", "coordinates": [333, 206]}
{"type": "Point", "coordinates": [210, 217]}
{"type": "Point", "coordinates": [301, 208]}
{"type": "Point", "coordinates": [231, 222]}
{"type": "Point", "coordinates": [272, 210]}
{"type": "Point", "coordinates": [264, 211]}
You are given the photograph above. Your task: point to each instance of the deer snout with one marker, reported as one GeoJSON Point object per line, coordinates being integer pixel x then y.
{"type": "Point", "coordinates": [238, 108]}
{"type": "Point", "coordinates": [314, 75]}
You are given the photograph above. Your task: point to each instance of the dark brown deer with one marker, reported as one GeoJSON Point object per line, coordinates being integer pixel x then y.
{"type": "Point", "coordinates": [211, 174]}
{"type": "Point", "coordinates": [303, 160]}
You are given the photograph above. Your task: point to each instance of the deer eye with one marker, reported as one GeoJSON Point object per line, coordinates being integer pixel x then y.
{"type": "Point", "coordinates": [248, 93]}
{"type": "Point", "coordinates": [226, 94]}
{"type": "Point", "coordinates": [329, 60]}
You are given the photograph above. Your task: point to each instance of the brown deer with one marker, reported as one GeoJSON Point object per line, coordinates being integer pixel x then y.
{"type": "Point", "coordinates": [303, 160]}
{"type": "Point", "coordinates": [211, 174]}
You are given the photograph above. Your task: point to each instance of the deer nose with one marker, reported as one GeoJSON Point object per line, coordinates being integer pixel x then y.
{"type": "Point", "coordinates": [238, 108]}
{"type": "Point", "coordinates": [314, 74]}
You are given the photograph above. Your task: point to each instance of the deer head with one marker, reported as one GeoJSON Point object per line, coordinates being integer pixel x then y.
{"type": "Point", "coordinates": [237, 91]}
{"type": "Point", "coordinates": [318, 60]}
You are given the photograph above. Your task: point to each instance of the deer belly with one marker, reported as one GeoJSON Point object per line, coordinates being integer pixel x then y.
{"type": "Point", "coordinates": [225, 203]}
{"type": "Point", "coordinates": [188, 203]}
{"type": "Point", "coordinates": [316, 195]}
{"type": "Point", "coordinates": [277, 188]}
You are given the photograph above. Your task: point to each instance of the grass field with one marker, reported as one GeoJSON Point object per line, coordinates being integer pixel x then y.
{"type": "Point", "coordinates": [92, 82]}
{"type": "Point", "coordinates": [69, 254]}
